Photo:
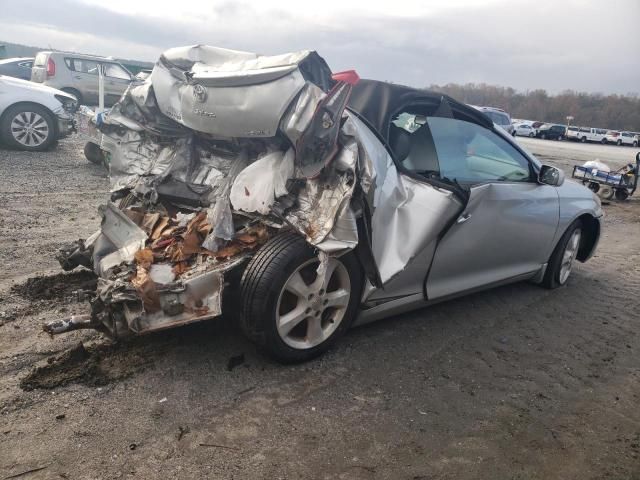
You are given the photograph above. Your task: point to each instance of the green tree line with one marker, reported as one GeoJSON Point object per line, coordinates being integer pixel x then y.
{"type": "Point", "coordinates": [616, 112]}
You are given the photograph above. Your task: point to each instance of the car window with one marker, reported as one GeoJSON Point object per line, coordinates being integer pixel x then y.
{"type": "Point", "coordinates": [114, 70]}
{"type": "Point", "coordinates": [84, 66]}
{"type": "Point", "coordinates": [460, 151]}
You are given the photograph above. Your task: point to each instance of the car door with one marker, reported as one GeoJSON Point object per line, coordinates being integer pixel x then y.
{"type": "Point", "coordinates": [116, 81]}
{"type": "Point", "coordinates": [85, 78]}
{"type": "Point", "coordinates": [509, 222]}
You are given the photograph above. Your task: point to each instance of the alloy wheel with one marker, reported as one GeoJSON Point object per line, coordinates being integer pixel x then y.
{"type": "Point", "coordinates": [313, 303]}
{"type": "Point", "coordinates": [569, 255]}
{"type": "Point", "coordinates": [29, 129]}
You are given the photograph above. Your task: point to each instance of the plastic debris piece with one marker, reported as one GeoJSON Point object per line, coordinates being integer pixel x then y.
{"type": "Point", "coordinates": [162, 273]}
{"type": "Point", "coordinates": [257, 186]}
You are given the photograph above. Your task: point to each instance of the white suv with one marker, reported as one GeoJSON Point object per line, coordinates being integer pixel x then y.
{"type": "Point", "coordinates": [622, 138]}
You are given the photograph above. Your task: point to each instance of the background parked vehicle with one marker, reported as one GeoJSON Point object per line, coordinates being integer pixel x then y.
{"type": "Point", "coordinates": [32, 116]}
{"type": "Point", "coordinates": [78, 75]}
{"type": "Point", "coordinates": [551, 131]}
{"type": "Point", "coordinates": [524, 130]}
{"type": "Point", "coordinates": [17, 67]}
{"type": "Point", "coordinates": [627, 138]}
{"type": "Point", "coordinates": [572, 133]}
{"type": "Point", "coordinates": [586, 134]}
{"type": "Point", "coordinates": [499, 117]}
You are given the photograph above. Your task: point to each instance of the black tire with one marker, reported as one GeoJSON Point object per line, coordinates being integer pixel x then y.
{"type": "Point", "coordinates": [583, 139]}
{"type": "Point", "coordinates": [543, 136]}
{"type": "Point", "coordinates": [619, 142]}
{"type": "Point", "coordinates": [27, 109]}
{"type": "Point", "coordinates": [94, 153]}
{"type": "Point", "coordinates": [551, 278]}
{"type": "Point", "coordinates": [603, 141]}
{"type": "Point", "coordinates": [263, 281]}
{"type": "Point", "coordinates": [635, 144]}
{"type": "Point", "coordinates": [621, 194]}
{"type": "Point", "coordinates": [75, 93]}
{"type": "Point", "coordinates": [531, 135]}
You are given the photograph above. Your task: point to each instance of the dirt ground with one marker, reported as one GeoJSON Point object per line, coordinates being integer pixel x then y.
{"type": "Point", "coordinates": [513, 383]}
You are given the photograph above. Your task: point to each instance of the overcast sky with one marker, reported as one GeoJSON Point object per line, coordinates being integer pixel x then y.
{"type": "Point", "coordinates": [552, 44]}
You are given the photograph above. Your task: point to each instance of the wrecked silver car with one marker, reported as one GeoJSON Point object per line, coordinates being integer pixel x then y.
{"type": "Point", "coordinates": [304, 202]}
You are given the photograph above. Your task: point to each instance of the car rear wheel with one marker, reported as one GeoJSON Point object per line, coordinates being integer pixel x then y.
{"type": "Point", "coordinates": [294, 306]}
{"type": "Point", "coordinates": [604, 141]}
{"type": "Point", "coordinates": [532, 135]}
{"type": "Point", "coordinates": [583, 139]}
{"type": "Point", "coordinates": [635, 144]}
{"type": "Point", "coordinates": [619, 142]}
{"type": "Point", "coordinates": [28, 127]}
{"type": "Point", "coordinates": [561, 261]}
{"type": "Point", "coordinates": [543, 136]}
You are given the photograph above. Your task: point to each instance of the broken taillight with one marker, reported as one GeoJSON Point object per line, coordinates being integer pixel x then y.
{"type": "Point", "coordinates": [51, 68]}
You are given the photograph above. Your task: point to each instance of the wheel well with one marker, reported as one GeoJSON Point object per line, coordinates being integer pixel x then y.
{"type": "Point", "coordinates": [591, 233]}
{"type": "Point", "coordinates": [75, 92]}
{"type": "Point", "coordinates": [53, 115]}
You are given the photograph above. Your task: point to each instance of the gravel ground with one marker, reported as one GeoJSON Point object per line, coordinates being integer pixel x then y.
{"type": "Point", "coordinates": [513, 383]}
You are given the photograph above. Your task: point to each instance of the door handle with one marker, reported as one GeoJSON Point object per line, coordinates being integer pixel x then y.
{"type": "Point", "coordinates": [77, 77]}
{"type": "Point", "coordinates": [463, 218]}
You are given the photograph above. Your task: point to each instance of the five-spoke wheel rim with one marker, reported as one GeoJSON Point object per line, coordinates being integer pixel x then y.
{"type": "Point", "coordinates": [313, 303]}
{"type": "Point", "coordinates": [29, 129]}
{"type": "Point", "coordinates": [569, 255]}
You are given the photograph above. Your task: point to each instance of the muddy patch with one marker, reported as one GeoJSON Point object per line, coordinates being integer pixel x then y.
{"type": "Point", "coordinates": [55, 287]}
{"type": "Point", "coordinates": [94, 365]}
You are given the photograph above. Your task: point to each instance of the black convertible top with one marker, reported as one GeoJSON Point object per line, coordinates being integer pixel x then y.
{"type": "Point", "coordinates": [378, 103]}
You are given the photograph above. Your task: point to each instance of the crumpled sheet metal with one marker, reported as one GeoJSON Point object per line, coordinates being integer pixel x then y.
{"type": "Point", "coordinates": [125, 236]}
{"type": "Point", "coordinates": [133, 156]}
{"type": "Point", "coordinates": [321, 199]}
{"type": "Point", "coordinates": [409, 215]}
{"type": "Point", "coordinates": [227, 93]}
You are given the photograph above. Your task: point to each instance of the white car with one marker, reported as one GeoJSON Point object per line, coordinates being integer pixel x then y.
{"type": "Point", "coordinates": [627, 138]}
{"type": "Point", "coordinates": [33, 116]}
{"type": "Point", "coordinates": [524, 130]}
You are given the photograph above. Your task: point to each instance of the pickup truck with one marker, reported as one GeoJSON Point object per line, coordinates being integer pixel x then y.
{"type": "Point", "coordinates": [586, 134]}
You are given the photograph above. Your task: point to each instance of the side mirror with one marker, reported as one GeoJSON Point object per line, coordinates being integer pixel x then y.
{"type": "Point", "coordinates": [551, 176]}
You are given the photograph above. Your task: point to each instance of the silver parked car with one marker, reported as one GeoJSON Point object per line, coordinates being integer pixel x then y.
{"type": "Point", "coordinates": [77, 74]}
{"type": "Point", "coordinates": [307, 204]}
{"type": "Point", "coordinates": [32, 116]}
{"type": "Point", "coordinates": [499, 117]}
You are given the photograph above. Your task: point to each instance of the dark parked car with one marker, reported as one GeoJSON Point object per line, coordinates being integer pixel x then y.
{"type": "Point", "coordinates": [17, 67]}
{"type": "Point", "coordinates": [551, 131]}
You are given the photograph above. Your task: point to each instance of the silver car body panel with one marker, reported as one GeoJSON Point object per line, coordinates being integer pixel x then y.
{"type": "Point", "coordinates": [505, 230]}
